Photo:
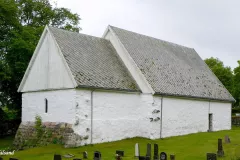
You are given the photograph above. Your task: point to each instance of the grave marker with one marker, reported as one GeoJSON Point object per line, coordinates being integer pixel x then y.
{"type": "Point", "coordinates": [85, 155]}
{"type": "Point", "coordinates": [120, 153]}
{"type": "Point", "coordinates": [155, 155]}
{"type": "Point", "coordinates": [220, 151]}
{"type": "Point", "coordinates": [57, 157]}
{"type": "Point", "coordinates": [211, 156]}
{"type": "Point", "coordinates": [97, 155]}
{"type": "Point", "coordinates": [227, 139]}
{"type": "Point", "coordinates": [148, 151]}
{"type": "Point", "coordinates": [1, 158]}
{"type": "Point", "coordinates": [137, 154]}
{"type": "Point", "coordinates": [172, 157]}
{"type": "Point", "coordinates": [13, 159]}
{"type": "Point", "coordinates": [163, 156]}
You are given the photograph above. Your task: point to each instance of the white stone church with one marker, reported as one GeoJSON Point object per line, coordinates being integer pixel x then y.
{"type": "Point", "coordinates": [122, 85]}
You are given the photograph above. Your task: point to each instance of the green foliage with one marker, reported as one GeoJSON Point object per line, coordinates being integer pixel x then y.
{"type": "Point", "coordinates": [236, 92]}
{"type": "Point", "coordinates": [224, 74]}
{"type": "Point", "coordinates": [38, 126]}
{"type": "Point", "coordinates": [21, 25]}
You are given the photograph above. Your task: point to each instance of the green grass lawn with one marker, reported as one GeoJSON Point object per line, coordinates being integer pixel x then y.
{"type": "Point", "coordinates": [189, 147]}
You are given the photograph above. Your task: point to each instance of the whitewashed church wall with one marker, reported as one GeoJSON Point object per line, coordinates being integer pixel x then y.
{"type": "Point", "coordinates": [60, 106]}
{"type": "Point", "coordinates": [221, 113]}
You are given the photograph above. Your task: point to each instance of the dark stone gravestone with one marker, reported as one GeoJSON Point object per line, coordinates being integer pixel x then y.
{"type": "Point", "coordinates": [172, 157]}
{"type": "Point", "coordinates": [211, 156]}
{"type": "Point", "coordinates": [120, 153]}
{"type": "Point", "coordinates": [220, 152]}
{"type": "Point", "coordinates": [1, 158]}
{"type": "Point", "coordinates": [155, 155]}
{"type": "Point", "coordinates": [163, 156]}
{"type": "Point", "coordinates": [141, 158]}
{"type": "Point", "coordinates": [85, 155]}
{"type": "Point", "coordinates": [13, 159]}
{"type": "Point", "coordinates": [77, 159]}
{"type": "Point", "coordinates": [227, 139]}
{"type": "Point", "coordinates": [57, 157]}
{"type": "Point", "coordinates": [149, 150]}
{"type": "Point", "coordinates": [97, 155]}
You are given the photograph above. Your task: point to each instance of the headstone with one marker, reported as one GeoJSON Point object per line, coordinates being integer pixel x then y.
{"type": "Point", "coordinates": [57, 157]}
{"type": "Point", "coordinates": [97, 155]}
{"type": "Point", "coordinates": [155, 155]}
{"type": "Point", "coordinates": [141, 158]}
{"type": "Point", "coordinates": [13, 159]}
{"type": "Point", "coordinates": [220, 152]}
{"type": "Point", "coordinates": [137, 152]}
{"type": "Point", "coordinates": [172, 157]}
{"type": "Point", "coordinates": [211, 156]}
{"type": "Point", "coordinates": [163, 156]}
{"type": "Point", "coordinates": [85, 155]}
{"type": "Point", "coordinates": [77, 159]}
{"type": "Point", "coordinates": [227, 139]}
{"type": "Point", "coordinates": [120, 153]}
{"type": "Point", "coordinates": [118, 157]}
{"type": "Point", "coordinates": [148, 151]}
{"type": "Point", "coordinates": [1, 158]}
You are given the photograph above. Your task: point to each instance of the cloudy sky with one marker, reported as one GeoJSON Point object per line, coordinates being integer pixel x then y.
{"type": "Point", "coordinates": [212, 27]}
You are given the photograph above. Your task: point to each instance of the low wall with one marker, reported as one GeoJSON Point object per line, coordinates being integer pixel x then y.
{"type": "Point", "coordinates": [29, 136]}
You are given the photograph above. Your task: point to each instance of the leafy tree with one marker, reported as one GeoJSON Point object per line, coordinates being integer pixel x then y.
{"type": "Point", "coordinates": [21, 25]}
{"type": "Point", "coordinates": [236, 92]}
{"type": "Point", "coordinates": [224, 74]}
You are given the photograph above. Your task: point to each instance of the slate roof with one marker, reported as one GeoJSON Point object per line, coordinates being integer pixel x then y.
{"type": "Point", "coordinates": [172, 69]}
{"type": "Point", "coordinates": [93, 61]}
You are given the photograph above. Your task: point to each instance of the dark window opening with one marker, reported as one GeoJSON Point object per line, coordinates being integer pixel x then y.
{"type": "Point", "coordinates": [46, 105]}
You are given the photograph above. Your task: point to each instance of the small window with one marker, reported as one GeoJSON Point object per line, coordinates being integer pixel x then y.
{"type": "Point", "coordinates": [46, 105]}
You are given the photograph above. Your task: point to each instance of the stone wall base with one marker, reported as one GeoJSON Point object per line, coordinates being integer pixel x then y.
{"type": "Point", "coordinates": [28, 135]}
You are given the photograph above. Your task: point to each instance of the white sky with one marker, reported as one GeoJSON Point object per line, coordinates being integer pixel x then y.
{"type": "Point", "coordinates": [211, 27]}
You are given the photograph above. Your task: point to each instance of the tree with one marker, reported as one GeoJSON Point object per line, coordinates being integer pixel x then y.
{"type": "Point", "coordinates": [236, 92]}
{"type": "Point", "coordinates": [224, 74]}
{"type": "Point", "coordinates": [21, 25]}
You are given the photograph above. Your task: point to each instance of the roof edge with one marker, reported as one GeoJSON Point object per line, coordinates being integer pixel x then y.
{"type": "Point", "coordinates": [194, 97]}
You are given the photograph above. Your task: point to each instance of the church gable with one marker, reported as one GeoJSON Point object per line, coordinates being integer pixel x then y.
{"type": "Point", "coordinates": [47, 69]}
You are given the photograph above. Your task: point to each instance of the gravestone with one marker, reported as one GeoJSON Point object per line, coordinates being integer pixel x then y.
{"type": "Point", "coordinates": [163, 156]}
{"type": "Point", "coordinates": [149, 151]}
{"type": "Point", "coordinates": [1, 158]}
{"type": "Point", "coordinates": [227, 139]}
{"type": "Point", "coordinates": [57, 157]}
{"type": "Point", "coordinates": [13, 159]}
{"type": "Point", "coordinates": [155, 155]}
{"type": "Point", "coordinates": [172, 157]}
{"type": "Point", "coordinates": [120, 153]}
{"type": "Point", "coordinates": [211, 156]}
{"type": "Point", "coordinates": [77, 159]}
{"type": "Point", "coordinates": [97, 155]}
{"type": "Point", "coordinates": [137, 152]}
{"type": "Point", "coordinates": [118, 157]}
{"type": "Point", "coordinates": [220, 152]}
{"type": "Point", "coordinates": [141, 158]}
{"type": "Point", "coordinates": [85, 155]}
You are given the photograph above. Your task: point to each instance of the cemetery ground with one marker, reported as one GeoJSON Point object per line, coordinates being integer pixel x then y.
{"type": "Point", "coordinates": [192, 146]}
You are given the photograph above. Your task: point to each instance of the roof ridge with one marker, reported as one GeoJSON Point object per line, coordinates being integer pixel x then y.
{"type": "Point", "coordinates": [151, 37]}
{"type": "Point", "coordinates": [83, 34]}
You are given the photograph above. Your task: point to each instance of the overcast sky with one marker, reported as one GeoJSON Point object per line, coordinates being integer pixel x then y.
{"type": "Point", "coordinates": [211, 27]}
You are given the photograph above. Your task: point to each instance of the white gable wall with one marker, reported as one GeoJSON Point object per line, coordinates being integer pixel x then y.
{"type": "Point", "coordinates": [48, 70]}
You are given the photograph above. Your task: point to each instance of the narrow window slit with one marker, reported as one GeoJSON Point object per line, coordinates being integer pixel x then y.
{"type": "Point", "coordinates": [46, 105]}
